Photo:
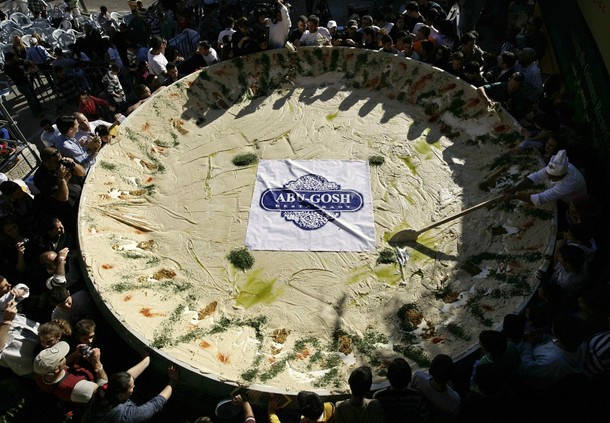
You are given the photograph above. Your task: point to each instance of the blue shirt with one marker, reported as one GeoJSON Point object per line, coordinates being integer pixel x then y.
{"type": "Point", "coordinates": [127, 412]}
{"type": "Point", "coordinates": [69, 147]}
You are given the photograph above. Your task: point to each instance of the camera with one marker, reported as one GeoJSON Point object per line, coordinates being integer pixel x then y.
{"type": "Point", "coordinates": [67, 163]}
{"type": "Point", "coordinates": [86, 350]}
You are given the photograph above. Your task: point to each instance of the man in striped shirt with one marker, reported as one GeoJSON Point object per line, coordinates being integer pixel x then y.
{"type": "Point", "coordinates": [597, 361]}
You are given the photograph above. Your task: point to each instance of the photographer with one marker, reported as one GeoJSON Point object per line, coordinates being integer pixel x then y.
{"type": "Point", "coordinates": [63, 268]}
{"type": "Point", "coordinates": [59, 183]}
{"type": "Point", "coordinates": [70, 385]}
{"type": "Point", "coordinates": [18, 337]}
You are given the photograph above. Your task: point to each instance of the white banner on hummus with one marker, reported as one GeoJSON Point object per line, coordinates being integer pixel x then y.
{"type": "Point", "coordinates": [311, 205]}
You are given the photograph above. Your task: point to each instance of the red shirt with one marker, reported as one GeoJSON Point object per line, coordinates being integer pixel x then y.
{"type": "Point", "coordinates": [90, 108]}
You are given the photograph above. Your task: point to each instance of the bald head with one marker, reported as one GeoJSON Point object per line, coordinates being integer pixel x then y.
{"type": "Point", "coordinates": [527, 56]}
{"type": "Point", "coordinates": [47, 259]}
{"type": "Point", "coordinates": [83, 122]}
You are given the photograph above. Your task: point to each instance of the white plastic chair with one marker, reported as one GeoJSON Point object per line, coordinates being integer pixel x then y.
{"type": "Point", "coordinates": [41, 23]}
{"type": "Point", "coordinates": [74, 33]}
{"type": "Point", "coordinates": [16, 31]}
{"type": "Point", "coordinates": [47, 34]}
{"type": "Point", "coordinates": [65, 25]}
{"type": "Point", "coordinates": [63, 38]}
{"type": "Point", "coordinates": [84, 19]}
{"type": "Point", "coordinates": [56, 35]}
{"type": "Point", "coordinates": [117, 17]}
{"type": "Point", "coordinates": [26, 39]}
{"type": "Point", "coordinates": [23, 21]}
{"type": "Point", "coordinates": [8, 26]}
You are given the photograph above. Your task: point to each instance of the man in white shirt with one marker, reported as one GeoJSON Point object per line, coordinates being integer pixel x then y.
{"type": "Point", "coordinates": [86, 129]}
{"type": "Point", "coordinates": [315, 34]}
{"type": "Point", "coordinates": [156, 57]}
{"type": "Point", "coordinates": [566, 182]}
{"type": "Point", "coordinates": [18, 337]}
{"type": "Point", "coordinates": [279, 27]}
{"type": "Point", "coordinates": [434, 386]}
{"type": "Point", "coordinates": [229, 22]}
{"type": "Point", "coordinates": [49, 133]}
{"type": "Point", "coordinates": [208, 53]}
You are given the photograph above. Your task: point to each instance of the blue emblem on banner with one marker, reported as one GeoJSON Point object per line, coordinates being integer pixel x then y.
{"type": "Point", "coordinates": [311, 201]}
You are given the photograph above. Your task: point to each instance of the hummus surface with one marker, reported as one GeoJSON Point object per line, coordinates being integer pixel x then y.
{"type": "Point", "coordinates": [165, 205]}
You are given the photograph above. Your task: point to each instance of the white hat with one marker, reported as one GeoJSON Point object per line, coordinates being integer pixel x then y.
{"type": "Point", "coordinates": [558, 165]}
{"type": "Point", "coordinates": [50, 358]}
{"type": "Point", "coordinates": [331, 24]}
{"type": "Point", "coordinates": [56, 281]}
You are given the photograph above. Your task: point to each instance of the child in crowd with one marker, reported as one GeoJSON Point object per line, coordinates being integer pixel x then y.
{"type": "Point", "coordinates": [52, 332]}
{"type": "Point", "coordinates": [349, 410]}
{"type": "Point", "coordinates": [498, 352]}
{"type": "Point", "coordinates": [311, 407]}
{"type": "Point", "coordinates": [399, 402]}
{"type": "Point", "coordinates": [103, 132]}
{"type": "Point", "coordinates": [84, 332]}
{"type": "Point", "coordinates": [434, 385]}
{"type": "Point", "coordinates": [71, 307]}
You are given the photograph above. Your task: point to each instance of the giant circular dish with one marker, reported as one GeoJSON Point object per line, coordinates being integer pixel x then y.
{"type": "Point", "coordinates": [165, 205]}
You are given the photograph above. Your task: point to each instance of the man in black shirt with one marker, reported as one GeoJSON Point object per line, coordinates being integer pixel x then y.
{"type": "Point", "coordinates": [298, 32]}
{"type": "Point", "coordinates": [59, 181]}
{"type": "Point", "coordinates": [412, 15]}
{"type": "Point", "coordinates": [15, 70]}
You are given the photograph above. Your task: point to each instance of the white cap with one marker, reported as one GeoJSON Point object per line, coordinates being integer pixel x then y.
{"type": "Point", "coordinates": [558, 165]}
{"type": "Point", "coordinates": [331, 24]}
{"type": "Point", "coordinates": [49, 359]}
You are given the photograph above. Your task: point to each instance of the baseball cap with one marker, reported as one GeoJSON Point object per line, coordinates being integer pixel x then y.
{"type": "Point", "coordinates": [50, 358]}
{"type": "Point", "coordinates": [331, 24]}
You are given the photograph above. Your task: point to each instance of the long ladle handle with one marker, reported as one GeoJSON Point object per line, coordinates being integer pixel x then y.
{"type": "Point", "coordinates": [462, 213]}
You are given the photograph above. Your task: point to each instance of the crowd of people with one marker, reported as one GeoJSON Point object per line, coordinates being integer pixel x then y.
{"type": "Point", "coordinates": [562, 338]}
